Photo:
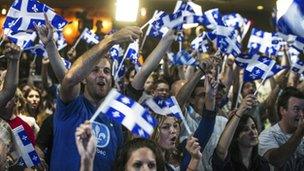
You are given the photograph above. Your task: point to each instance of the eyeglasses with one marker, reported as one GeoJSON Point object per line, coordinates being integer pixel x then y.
{"type": "Point", "coordinates": [298, 109]}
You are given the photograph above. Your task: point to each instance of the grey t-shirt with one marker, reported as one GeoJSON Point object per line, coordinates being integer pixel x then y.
{"type": "Point", "coordinates": [274, 137]}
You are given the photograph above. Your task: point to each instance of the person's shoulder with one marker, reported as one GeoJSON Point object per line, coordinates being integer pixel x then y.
{"type": "Point", "coordinates": [274, 128]}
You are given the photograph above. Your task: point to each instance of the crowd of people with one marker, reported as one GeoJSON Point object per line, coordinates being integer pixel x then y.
{"type": "Point", "coordinates": [230, 128]}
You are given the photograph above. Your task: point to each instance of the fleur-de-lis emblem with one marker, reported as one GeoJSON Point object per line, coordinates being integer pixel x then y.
{"type": "Point", "coordinates": [60, 25]}
{"type": "Point", "coordinates": [34, 8]}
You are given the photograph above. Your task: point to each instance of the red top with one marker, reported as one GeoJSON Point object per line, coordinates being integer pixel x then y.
{"type": "Point", "coordinates": [14, 123]}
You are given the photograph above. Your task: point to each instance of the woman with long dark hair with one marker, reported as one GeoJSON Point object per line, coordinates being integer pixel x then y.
{"type": "Point", "coordinates": [238, 146]}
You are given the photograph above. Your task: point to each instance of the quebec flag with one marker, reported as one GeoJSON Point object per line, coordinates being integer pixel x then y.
{"type": "Point", "coordinates": [212, 18]}
{"type": "Point", "coordinates": [257, 67]}
{"type": "Point", "coordinates": [116, 53]}
{"type": "Point", "coordinates": [60, 41]}
{"type": "Point", "coordinates": [129, 113]}
{"type": "Point", "coordinates": [298, 67]}
{"type": "Point", "coordinates": [157, 105]}
{"type": "Point", "coordinates": [264, 42]}
{"type": "Point", "coordinates": [201, 43]}
{"type": "Point", "coordinates": [25, 148]}
{"type": "Point", "coordinates": [226, 40]}
{"type": "Point", "coordinates": [38, 50]}
{"type": "Point", "coordinates": [90, 37]}
{"type": "Point", "coordinates": [172, 21]}
{"type": "Point", "coordinates": [22, 39]}
{"type": "Point", "coordinates": [188, 8]}
{"type": "Point", "coordinates": [132, 54]}
{"type": "Point", "coordinates": [184, 58]}
{"type": "Point", "coordinates": [290, 17]}
{"type": "Point", "coordinates": [234, 20]}
{"type": "Point", "coordinates": [174, 107]}
{"type": "Point", "coordinates": [156, 31]}
{"type": "Point", "coordinates": [23, 14]}
{"type": "Point", "coordinates": [166, 107]}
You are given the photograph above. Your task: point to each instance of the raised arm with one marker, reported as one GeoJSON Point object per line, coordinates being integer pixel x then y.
{"type": "Point", "coordinates": [86, 146]}
{"type": "Point", "coordinates": [278, 156]}
{"type": "Point", "coordinates": [45, 34]}
{"type": "Point", "coordinates": [152, 61]}
{"type": "Point", "coordinates": [227, 135]}
{"type": "Point", "coordinates": [185, 92]}
{"type": "Point", "coordinates": [70, 86]}
{"type": "Point", "coordinates": [12, 52]}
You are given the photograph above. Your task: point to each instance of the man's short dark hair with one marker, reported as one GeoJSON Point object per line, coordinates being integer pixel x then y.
{"type": "Point", "coordinates": [286, 94]}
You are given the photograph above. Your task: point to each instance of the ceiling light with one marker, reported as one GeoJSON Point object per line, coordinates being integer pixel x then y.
{"type": "Point", "coordinates": [3, 11]}
{"type": "Point", "coordinates": [260, 7]}
{"type": "Point", "coordinates": [126, 10]}
{"type": "Point", "coordinates": [143, 12]}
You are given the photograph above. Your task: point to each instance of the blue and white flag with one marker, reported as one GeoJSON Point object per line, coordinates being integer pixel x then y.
{"type": "Point", "coordinates": [116, 53]}
{"type": "Point", "coordinates": [188, 8]}
{"type": "Point", "coordinates": [211, 19]}
{"type": "Point", "coordinates": [132, 53]}
{"type": "Point", "coordinates": [128, 113]}
{"type": "Point", "coordinates": [156, 31]}
{"type": "Point", "coordinates": [227, 40]}
{"type": "Point", "coordinates": [298, 67]}
{"type": "Point", "coordinates": [184, 58]}
{"type": "Point", "coordinates": [25, 148]}
{"type": "Point", "coordinates": [174, 107]}
{"type": "Point", "coordinates": [67, 64]}
{"type": "Point", "coordinates": [201, 43]}
{"type": "Point", "coordinates": [264, 42]}
{"type": "Point", "coordinates": [295, 41]}
{"type": "Point", "coordinates": [299, 44]}
{"type": "Point", "coordinates": [90, 37]}
{"type": "Point", "coordinates": [290, 17]}
{"type": "Point", "coordinates": [60, 40]}
{"type": "Point", "coordinates": [173, 21]}
{"type": "Point", "coordinates": [234, 20]}
{"type": "Point", "coordinates": [157, 105]}
{"type": "Point", "coordinates": [257, 67]}
{"type": "Point", "coordinates": [22, 39]}
{"type": "Point", "coordinates": [23, 14]}
{"type": "Point", "coordinates": [38, 50]}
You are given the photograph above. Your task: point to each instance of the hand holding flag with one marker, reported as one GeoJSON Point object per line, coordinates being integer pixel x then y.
{"type": "Point", "coordinates": [127, 112]}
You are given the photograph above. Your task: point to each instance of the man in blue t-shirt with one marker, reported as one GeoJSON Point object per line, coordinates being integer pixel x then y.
{"type": "Point", "coordinates": [93, 69]}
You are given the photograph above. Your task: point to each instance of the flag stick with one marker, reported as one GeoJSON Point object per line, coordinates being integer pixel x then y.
{"type": "Point", "coordinates": [77, 41]}
{"type": "Point", "coordinates": [264, 79]}
{"type": "Point", "coordinates": [148, 30]}
{"type": "Point", "coordinates": [122, 61]}
{"type": "Point", "coordinates": [143, 41]}
{"type": "Point", "coordinates": [182, 116]}
{"type": "Point", "coordinates": [102, 105]}
{"type": "Point", "coordinates": [238, 95]}
{"type": "Point", "coordinates": [150, 21]}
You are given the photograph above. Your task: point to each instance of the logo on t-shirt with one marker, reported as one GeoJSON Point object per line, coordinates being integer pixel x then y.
{"type": "Point", "coordinates": [102, 134]}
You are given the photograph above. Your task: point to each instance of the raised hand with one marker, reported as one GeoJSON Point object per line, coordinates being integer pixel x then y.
{"type": "Point", "coordinates": [211, 85]}
{"type": "Point", "coordinates": [206, 64]}
{"type": "Point", "coordinates": [12, 51]}
{"type": "Point", "coordinates": [247, 103]}
{"type": "Point", "coordinates": [194, 148]}
{"type": "Point", "coordinates": [45, 32]}
{"type": "Point", "coordinates": [72, 54]}
{"type": "Point", "coordinates": [85, 141]}
{"type": "Point", "coordinates": [127, 34]}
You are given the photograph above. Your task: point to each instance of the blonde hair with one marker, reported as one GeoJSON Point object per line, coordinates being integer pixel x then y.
{"type": "Point", "coordinates": [7, 143]}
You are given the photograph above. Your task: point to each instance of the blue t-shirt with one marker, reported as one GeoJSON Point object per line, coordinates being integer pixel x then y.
{"type": "Point", "coordinates": [67, 118]}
